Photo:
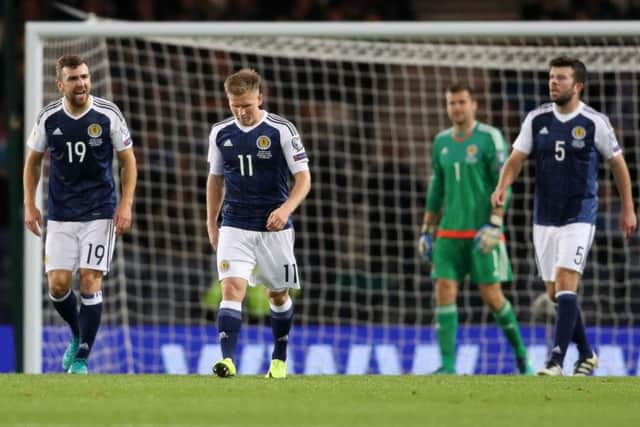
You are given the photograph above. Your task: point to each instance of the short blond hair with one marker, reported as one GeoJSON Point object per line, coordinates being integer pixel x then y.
{"type": "Point", "coordinates": [243, 81]}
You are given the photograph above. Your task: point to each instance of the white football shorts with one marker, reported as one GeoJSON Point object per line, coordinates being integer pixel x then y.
{"type": "Point", "coordinates": [71, 245]}
{"type": "Point", "coordinates": [260, 257]}
{"type": "Point", "coordinates": [566, 246]}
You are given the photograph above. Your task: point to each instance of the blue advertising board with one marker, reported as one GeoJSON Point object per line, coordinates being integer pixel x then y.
{"type": "Point", "coordinates": [7, 351]}
{"type": "Point", "coordinates": [391, 350]}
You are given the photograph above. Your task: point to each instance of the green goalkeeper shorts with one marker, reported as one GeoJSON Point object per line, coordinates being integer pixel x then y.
{"type": "Point", "coordinates": [455, 258]}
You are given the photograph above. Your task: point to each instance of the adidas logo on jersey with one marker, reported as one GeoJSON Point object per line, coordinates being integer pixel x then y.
{"type": "Point", "coordinates": [57, 132]}
{"type": "Point", "coordinates": [544, 131]}
{"type": "Point", "coordinates": [227, 143]}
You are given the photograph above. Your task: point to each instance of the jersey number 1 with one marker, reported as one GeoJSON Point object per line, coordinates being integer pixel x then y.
{"type": "Point", "coordinates": [294, 273]}
{"type": "Point", "coordinates": [249, 165]}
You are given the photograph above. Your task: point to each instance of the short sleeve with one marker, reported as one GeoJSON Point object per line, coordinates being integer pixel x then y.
{"type": "Point", "coordinates": [293, 150]}
{"type": "Point", "coordinates": [605, 139]}
{"type": "Point", "coordinates": [216, 166]}
{"type": "Point", "coordinates": [524, 141]}
{"type": "Point", "coordinates": [38, 139]}
{"type": "Point", "coordinates": [120, 135]}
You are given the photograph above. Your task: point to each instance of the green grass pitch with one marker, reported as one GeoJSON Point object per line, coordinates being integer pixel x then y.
{"type": "Point", "coordinates": [368, 401]}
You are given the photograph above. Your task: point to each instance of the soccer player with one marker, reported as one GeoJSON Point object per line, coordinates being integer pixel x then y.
{"type": "Point", "coordinates": [466, 163]}
{"type": "Point", "coordinates": [251, 156]}
{"type": "Point", "coordinates": [566, 138]}
{"type": "Point", "coordinates": [83, 213]}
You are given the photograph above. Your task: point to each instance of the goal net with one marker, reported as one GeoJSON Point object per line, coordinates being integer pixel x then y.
{"type": "Point", "coordinates": [368, 104]}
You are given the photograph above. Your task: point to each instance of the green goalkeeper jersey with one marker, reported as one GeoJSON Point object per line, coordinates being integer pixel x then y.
{"type": "Point", "coordinates": [465, 173]}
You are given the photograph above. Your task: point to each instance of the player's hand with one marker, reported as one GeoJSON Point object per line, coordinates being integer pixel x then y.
{"type": "Point", "coordinates": [212, 229]}
{"type": "Point", "coordinates": [498, 198]}
{"type": "Point", "coordinates": [425, 247]}
{"type": "Point", "coordinates": [122, 217]}
{"type": "Point", "coordinates": [277, 219]}
{"type": "Point", "coordinates": [33, 220]}
{"type": "Point", "coordinates": [487, 238]}
{"type": "Point", "coordinates": [628, 223]}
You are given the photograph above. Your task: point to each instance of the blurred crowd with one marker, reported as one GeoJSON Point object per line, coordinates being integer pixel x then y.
{"type": "Point", "coordinates": [255, 10]}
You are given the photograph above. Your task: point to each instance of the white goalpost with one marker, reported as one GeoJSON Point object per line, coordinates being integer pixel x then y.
{"type": "Point", "coordinates": [368, 99]}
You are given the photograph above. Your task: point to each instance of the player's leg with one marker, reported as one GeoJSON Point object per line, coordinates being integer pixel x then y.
{"type": "Point", "coordinates": [89, 317]}
{"type": "Point", "coordinates": [586, 354]}
{"type": "Point", "coordinates": [573, 247]}
{"type": "Point", "coordinates": [66, 304]}
{"type": "Point", "coordinates": [97, 241]}
{"type": "Point", "coordinates": [278, 270]}
{"type": "Point", "coordinates": [236, 261]}
{"type": "Point", "coordinates": [446, 323]}
{"type": "Point", "coordinates": [566, 286]}
{"type": "Point", "coordinates": [449, 268]}
{"type": "Point", "coordinates": [545, 242]}
{"type": "Point", "coordinates": [587, 359]}
{"type": "Point", "coordinates": [551, 368]}
{"type": "Point", "coordinates": [61, 259]}
{"type": "Point", "coordinates": [229, 322]}
{"type": "Point", "coordinates": [489, 270]}
{"type": "Point", "coordinates": [573, 244]}
{"type": "Point", "coordinates": [506, 319]}
{"type": "Point", "coordinates": [281, 312]}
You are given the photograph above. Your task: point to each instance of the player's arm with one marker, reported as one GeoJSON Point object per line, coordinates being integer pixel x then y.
{"type": "Point", "coordinates": [510, 171]}
{"type": "Point", "coordinates": [522, 147]}
{"type": "Point", "coordinates": [279, 217]}
{"type": "Point", "coordinates": [128, 179]}
{"type": "Point", "coordinates": [628, 221]}
{"type": "Point", "coordinates": [215, 197]}
{"type": "Point", "coordinates": [30, 180]}
{"type": "Point", "coordinates": [490, 234]}
{"type": "Point", "coordinates": [432, 208]}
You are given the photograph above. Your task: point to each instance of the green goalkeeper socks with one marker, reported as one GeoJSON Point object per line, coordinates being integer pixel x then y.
{"type": "Point", "coordinates": [506, 319]}
{"type": "Point", "coordinates": [447, 329]}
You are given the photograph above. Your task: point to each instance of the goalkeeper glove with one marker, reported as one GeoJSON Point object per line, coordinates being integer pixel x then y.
{"type": "Point", "coordinates": [488, 236]}
{"type": "Point", "coordinates": [425, 244]}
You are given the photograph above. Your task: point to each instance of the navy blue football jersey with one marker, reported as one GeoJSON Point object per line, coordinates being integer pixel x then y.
{"type": "Point", "coordinates": [81, 184]}
{"type": "Point", "coordinates": [256, 163]}
{"type": "Point", "coordinates": [566, 149]}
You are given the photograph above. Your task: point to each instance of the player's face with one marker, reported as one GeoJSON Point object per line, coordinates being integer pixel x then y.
{"type": "Point", "coordinates": [246, 107]}
{"type": "Point", "coordinates": [562, 85]}
{"type": "Point", "coordinates": [461, 108]}
{"type": "Point", "coordinates": [75, 85]}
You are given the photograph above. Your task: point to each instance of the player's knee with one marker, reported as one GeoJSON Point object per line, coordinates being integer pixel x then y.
{"type": "Point", "coordinates": [58, 290]}
{"type": "Point", "coordinates": [446, 291]}
{"type": "Point", "coordinates": [566, 280]}
{"type": "Point", "coordinates": [492, 296]}
{"type": "Point", "coordinates": [233, 289]}
{"type": "Point", "coordinates": [59, 283]}
{"type": "Point", "coordinates": [90, 281]}
{"type": "Point", "coordinates": [278, 298]}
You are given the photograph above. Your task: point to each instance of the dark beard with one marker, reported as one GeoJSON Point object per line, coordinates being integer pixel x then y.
{"type": "Point", "coordinates": [561, 101]}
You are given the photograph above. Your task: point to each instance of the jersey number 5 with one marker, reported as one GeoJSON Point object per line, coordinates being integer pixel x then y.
{"type": "Point", "coordinates": [559, 151]}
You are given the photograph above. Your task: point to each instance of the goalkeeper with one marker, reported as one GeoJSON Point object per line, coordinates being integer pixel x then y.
{"type": "Point", "coordinates": [466, 163]}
